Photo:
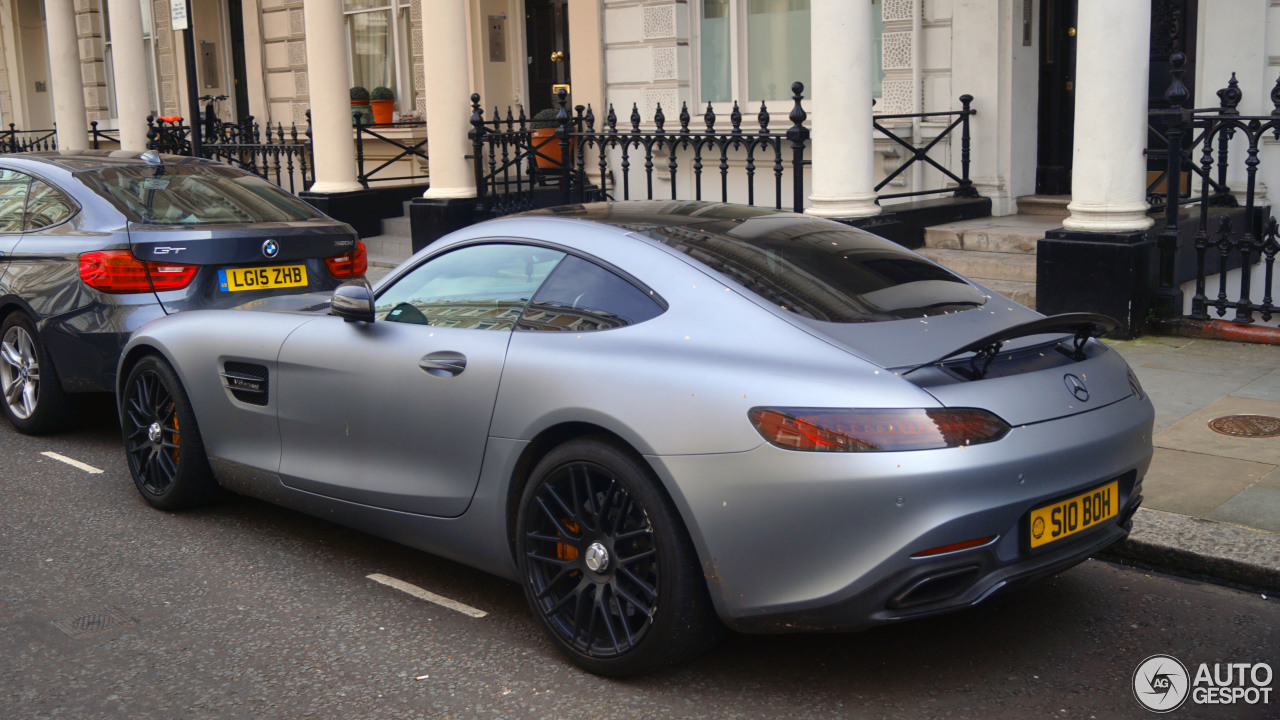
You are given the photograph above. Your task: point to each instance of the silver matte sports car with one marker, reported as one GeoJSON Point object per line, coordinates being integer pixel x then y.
{"type": "Point", "coordinates": [662, 418]}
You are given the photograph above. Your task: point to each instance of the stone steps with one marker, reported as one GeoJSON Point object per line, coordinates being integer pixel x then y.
{"type": "Point", "coordinates": [1048, 205]}
{"type": "Point", "coordinates": [999, 252]}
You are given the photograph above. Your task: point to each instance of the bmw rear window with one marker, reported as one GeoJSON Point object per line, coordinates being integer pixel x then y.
{"type": "Point", "coordinates": [820, 269]}
{"type": "Point", "coordinates": [195, 195]}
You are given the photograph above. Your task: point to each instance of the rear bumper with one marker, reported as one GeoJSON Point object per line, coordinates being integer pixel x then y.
{"type": "Point", "coordinates": [794, 541]}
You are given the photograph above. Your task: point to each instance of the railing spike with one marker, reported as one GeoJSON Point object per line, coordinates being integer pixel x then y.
{"type": "Point", "coordinates": [611, 119]}
{"type": "Point", "coordinates": [635, 118]}
{"type": "Point", "coordinates": [684, 118]}
{"type": "Point", "coordinates": [709, 117]}
{"type": "Point", "coordinates": [591, 119]}
{"type": "Point", "coordinates": [659, 118]}
{"type": "Point", "coordinates": [763, 118]}
{"type": "Point", "coordinates": [1229, 96]}
{"type": "Point", "coordinates": [735, 119]}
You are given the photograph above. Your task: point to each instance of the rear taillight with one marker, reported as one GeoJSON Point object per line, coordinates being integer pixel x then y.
{"type": "Point", "coordinates": [350, 264]}
{"type": "Point", "coordinates": [118, 271]}
{"type": "Point", "coordinates": [877, 430]}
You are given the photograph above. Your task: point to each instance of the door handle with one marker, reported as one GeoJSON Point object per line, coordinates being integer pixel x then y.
{"type": "Point", "coordinates": [445, 363]}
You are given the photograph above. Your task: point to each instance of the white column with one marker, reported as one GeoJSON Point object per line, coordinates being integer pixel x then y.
{"type": "Point", "coordinates": [333, 143]}
{"type": "Point", "coordinates": [64, 71]}
{"type": "Point", "coordinates": [1109, 171]}
{"type": "Point", "coordinates": [444, 40]}
{"type": "Point", "coordinates": [133, 99]}
{"type": "Point", "coordinates": [842, 146]}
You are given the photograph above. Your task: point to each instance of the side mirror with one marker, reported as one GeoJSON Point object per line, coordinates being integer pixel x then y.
{"type": "Point", "coordinates": [353, 301]}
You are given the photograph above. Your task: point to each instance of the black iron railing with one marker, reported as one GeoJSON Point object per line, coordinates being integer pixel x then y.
{"type": "Point", "coordinates": [514, 162]}
{"type": "Point", "coordinates": [415, 148]}
{"type": "Point", "coordinates": [959, 119]}
{"type": "Point", "coordinates": [1243, 239]}
{"type": "Point", "coordinates": [275, 154]}
{"type": "Point", "coordinates": [14, 140]}
{"type": "Point", "coordinates": [103, 139]}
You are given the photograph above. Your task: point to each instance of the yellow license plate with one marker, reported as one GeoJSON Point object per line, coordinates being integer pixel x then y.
{"type": "Point", "coordinates": [1073, 515]}
{"type": "Point", "coordinates": [262, 278]}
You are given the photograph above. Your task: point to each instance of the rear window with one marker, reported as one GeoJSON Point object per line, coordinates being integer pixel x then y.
{"type": "Point", "coordinates": [195, 195]}
{"type": "Point", "coordinates": [822, 270]}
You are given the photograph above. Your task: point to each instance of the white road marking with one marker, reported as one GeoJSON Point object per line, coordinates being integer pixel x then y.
{"type": "Point", "coordinates": [73, 463]}
{"type": "Point", "coordinates": [427, 595]}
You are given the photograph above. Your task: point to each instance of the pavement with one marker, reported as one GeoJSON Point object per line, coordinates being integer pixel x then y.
{"type": "Point", "coordinates": [1212, 501]}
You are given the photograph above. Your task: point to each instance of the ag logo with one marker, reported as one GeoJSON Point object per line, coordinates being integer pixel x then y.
{"type": "Point", "coordinates": [1161, 683]}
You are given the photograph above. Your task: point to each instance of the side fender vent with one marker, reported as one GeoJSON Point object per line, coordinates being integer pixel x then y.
{"type": "Point", "coordinates": [246, 381]}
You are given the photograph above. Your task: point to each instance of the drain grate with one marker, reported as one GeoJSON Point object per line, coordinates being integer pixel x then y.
{"type": "Point", "coordinates": [1246, 426]}
{"type": "Point", "coordinates": [94, 623]}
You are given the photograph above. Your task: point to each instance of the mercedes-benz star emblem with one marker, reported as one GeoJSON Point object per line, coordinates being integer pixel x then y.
{"type": "Point", "coordinates": [1076, 387]}
{"type": "Point", "coordinates": [270, 248]}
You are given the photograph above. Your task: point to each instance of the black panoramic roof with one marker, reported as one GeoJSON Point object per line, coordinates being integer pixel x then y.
{"type": "Point", "coordinates": [98, 159]}
{"type": "Point", "coordinates": [649, 214]}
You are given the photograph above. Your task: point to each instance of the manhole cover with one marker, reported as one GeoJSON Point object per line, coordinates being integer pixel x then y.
{"type": "Point", "coordinates": [92, 623]}
{"type": "Point", "coordinates": [1246, 426]}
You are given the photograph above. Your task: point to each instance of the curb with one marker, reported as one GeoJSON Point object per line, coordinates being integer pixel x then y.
{"type": "Point", "coordinates": [1215, 330]}
{"type": "Point", "coordinates": [1186, 545]}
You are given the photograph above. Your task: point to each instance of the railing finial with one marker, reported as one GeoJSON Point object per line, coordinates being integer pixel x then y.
{"type": "Point", "coordinates": [1177, 92]}
{"type": "Point", "coordinates": [1229, 96]}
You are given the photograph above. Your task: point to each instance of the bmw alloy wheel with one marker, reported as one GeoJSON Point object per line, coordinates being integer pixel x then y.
{"type": "Point", "coordinates": [19, 372]}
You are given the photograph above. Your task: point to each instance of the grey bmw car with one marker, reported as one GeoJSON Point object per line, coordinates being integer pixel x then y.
{"type": "Point", "coordinates": [95, 244]}
{"type": "Point", "coordinates": [663, 418]}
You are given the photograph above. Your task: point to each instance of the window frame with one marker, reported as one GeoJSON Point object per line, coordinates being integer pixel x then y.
{"type": "Point", "coordinates": [401, 32]}
{"type": "Point", "coordinates": [739, 82]}
{"type": "Point", "coordinates": [66, 198]}
{"type": "Point", "coordinates": [22, 223]}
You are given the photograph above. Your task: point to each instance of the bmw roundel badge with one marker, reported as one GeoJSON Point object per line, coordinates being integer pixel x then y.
{"type": "Point", "coordinates": [270, 248]}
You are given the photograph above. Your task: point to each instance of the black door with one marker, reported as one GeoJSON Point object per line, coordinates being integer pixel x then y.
{"type": "Point", "coordinates": [547, 33]}
{"type": "Point", "coordinates": [239, 76]}
{"type": "Point", "coordinates": [1057, 96]}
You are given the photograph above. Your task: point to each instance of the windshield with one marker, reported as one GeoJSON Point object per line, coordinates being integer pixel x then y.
{"type": "Point", "coordinates": [195, 195]}
{"type": "Point", "coordinates": [821, 269]}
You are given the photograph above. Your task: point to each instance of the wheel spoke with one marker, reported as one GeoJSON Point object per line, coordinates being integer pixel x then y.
{"type": "Point", "coordinates": [632, 601]}
{"type": "Point", "coordinates": [649, 589]}
{"type": "Point", "coordinates": [29, 394]}
{"type": "Point", "coordinates": [570, 513]}
{"type": "Point", "coordinates": [637, 557]}
{"type": "Point", "coordinates": [14, 391]}
{"type": "Point", "coordinates": [555, 520]}
{"type": "Point", "coordinates": [10, 355]}
{"type": "Point", "coordinates": [602, 607]}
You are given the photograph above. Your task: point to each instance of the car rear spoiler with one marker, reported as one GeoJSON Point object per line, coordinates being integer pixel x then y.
{"type": "Point", "coordinates": [1081, 325]}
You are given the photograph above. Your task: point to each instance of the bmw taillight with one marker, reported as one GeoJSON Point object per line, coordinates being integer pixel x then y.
{"type": "Point", "coordinates": [118, 271]}
{"type": "Point", "coordinates": [349, 264]}
{"type": "Point", "coordinates": [875, 430]}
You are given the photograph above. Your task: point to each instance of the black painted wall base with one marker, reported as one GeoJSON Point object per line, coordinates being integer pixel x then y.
{"type": "Point", "coordinates": [432, 218]}
{"type": "Point", "coordinates": [905, 223]}
{"type": "Point", "coordinates": [349, 207]}
{"type": "Point", "coordinates": [1109, 273]}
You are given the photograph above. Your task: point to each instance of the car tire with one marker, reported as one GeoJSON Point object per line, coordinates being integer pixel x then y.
{"type": "Point", "coordinates": [31, 394]}
{"type": "Point", "coordinates": [606, 564]}
{"type": "Point", "coordinates": [162, 440]}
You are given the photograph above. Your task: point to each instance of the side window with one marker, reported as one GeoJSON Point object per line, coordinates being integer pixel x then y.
{"type": "Point", "coordinates": [13, 199]}
{"type": "Point", "coordinates": [484, 287]}
{"type": "Point", "coordinates": [46, 206]}
{"type": "Point", "coordinates": [581, 295]}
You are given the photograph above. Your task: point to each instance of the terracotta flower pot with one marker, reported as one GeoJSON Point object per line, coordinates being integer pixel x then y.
{"type": "Point", "coordinates": [383, 111]}
{"type": "Point", "coordinates": [551, 148]}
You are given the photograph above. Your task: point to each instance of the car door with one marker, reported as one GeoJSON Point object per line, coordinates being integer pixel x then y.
{"type": "Point", "coordinates": [13, 201]}
{"type": "Point", "coordinates": [44, 266]}
{"type": "Point", "coordinates": [396, 413]}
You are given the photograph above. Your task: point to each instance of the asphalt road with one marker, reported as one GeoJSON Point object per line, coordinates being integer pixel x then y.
{"type": "Point", "coordinates": [246, 610]}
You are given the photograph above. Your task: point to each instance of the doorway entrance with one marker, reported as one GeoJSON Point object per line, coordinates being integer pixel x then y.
{"type": "Point", "coordinates": [1057, 110]}
{"type": "Point", "coordinates": [547, 34]}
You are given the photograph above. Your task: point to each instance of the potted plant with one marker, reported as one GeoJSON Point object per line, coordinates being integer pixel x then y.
{"type": "Point", "coordinates": [543, 127]}
{"type": "Point", "coordinates": [383, 100]}
{"type": "Point", "coordinates": [360, 102]}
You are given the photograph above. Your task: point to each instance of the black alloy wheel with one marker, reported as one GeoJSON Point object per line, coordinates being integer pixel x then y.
{"type": "Point", "coordinates": [606, 564]}
{"type": "Point", "coordinates": [162, 442]}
